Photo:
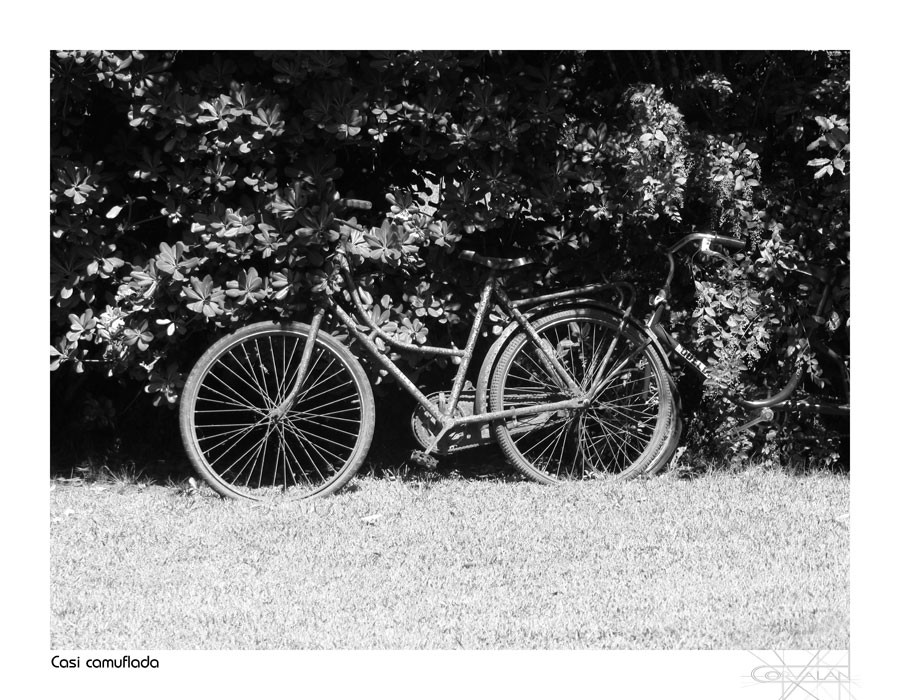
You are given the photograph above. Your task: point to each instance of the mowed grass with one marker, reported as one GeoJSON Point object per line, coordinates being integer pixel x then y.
{"type": "Point", "coordinates": [755, 560]}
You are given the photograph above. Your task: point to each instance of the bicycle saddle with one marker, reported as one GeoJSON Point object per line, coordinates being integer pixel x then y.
{"type": "Point", "coordinates": [495, 263]}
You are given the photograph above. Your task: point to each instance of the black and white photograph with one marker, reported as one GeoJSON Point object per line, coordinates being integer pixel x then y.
{"type": "Point", "coordinates": [467, 360]}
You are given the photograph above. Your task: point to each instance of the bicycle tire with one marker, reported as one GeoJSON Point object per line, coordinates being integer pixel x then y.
{"type": "Point", "coordinates": [626, 427]}
{"type": "Point", "coordinates": [670, 438]}
{"type": "Point", "coordinates": [238, 445]}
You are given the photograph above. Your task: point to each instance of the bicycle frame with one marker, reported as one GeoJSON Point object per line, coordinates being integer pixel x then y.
{"type": "Point", "coordinates": [492, 295]}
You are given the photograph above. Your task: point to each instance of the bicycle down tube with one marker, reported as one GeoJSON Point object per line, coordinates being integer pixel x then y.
{"type": "Point", "coordinates": [446, 419]}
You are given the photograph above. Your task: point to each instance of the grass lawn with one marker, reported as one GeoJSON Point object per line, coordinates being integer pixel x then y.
{"type": "Point", "coordinates": [753, 560]}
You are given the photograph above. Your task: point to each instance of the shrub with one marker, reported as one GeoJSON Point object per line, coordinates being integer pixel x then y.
{"type": "Point", "coordinates": [192, 192]}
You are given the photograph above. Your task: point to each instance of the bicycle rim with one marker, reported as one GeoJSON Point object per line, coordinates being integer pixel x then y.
{"type": "Point", "coordinates": [239, 443]}
{"type": "Point", "coordinates": [623, 428]}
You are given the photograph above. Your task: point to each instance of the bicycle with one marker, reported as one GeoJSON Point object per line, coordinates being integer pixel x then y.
{"type": "Point", "coordinates": [575, 386]}
{"type": "Point", "coordinates": [762, 410]}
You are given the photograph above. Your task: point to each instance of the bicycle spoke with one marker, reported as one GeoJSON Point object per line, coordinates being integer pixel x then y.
{"type": "Point", "coordinates": [231, 400]}
{"type": "Point", "coordinates": [249, 369]}
{"type": "Point", "coordinates": [245, 448]}
{"type": "Point", "coordinates": [327, 392]}
{"type": "Point", "coordinates": [550, 438]}
{"type": "Point", "coordinates": [624, 417]}
{"type": "Point", "coordinates": [349, 433]}
{"type": "Point", "coordinates": [262, 369]}
{"type": "Point", "coordinates": [316, 382]}
{"type": "Point", "coordinates": [616, 439]}
{"type": "Point", "coordinates": [301, 434]}
{"type": "Point", "coordinates": [255, 389]}
{"type": "Point", "coordinates": [318, 449]}
{"type": "Point", "coordinates": [309, 460]}
{"type": "Point", "coordinates": [279, 374]}
{"type": "Point", "coordinates": [239, 458]}
{"type": "Point", "coordinates": [596, 462]}
{"type": "Point", "coordinates": [317, 409]}
{"type": "Point", "coordinates": [260, 457]}
{"type": "Point", "coordinates": [612, 434]}
{"type": "Point", "coordinates": [331, 415]}
{"type": "Point", "coordinates": [241, 432]}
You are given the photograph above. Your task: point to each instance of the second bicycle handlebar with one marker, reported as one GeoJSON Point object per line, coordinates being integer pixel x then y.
{"type": "Point", "coordinates": [355, 203]}
{"type": "Point", "coordinates": [707, 239]}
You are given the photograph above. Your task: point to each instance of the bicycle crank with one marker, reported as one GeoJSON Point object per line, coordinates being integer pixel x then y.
{"type": "Point", "coordinates": [425, 428]}
{"type": "Point", "coordinates": [765, 415]}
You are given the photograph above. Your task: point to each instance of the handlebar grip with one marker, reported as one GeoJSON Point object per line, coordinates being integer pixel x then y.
{"type": "Point", "coordinates": [356, 203]}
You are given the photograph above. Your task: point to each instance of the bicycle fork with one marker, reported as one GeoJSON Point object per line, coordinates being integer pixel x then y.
{"type": "Point", "coordinates": [281, 409]}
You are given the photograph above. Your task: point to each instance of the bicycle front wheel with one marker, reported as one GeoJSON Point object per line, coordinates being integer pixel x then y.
{"type": "Point", "coordinates": [621, 432]}
{"type": "Point", "coordinates": [243, 447]}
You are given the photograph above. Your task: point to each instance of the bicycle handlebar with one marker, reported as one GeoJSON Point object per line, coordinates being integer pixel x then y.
{"type": "Point", "coordinates": [355, 203]}
{"type": "Point", "coordinates": [707, 240]}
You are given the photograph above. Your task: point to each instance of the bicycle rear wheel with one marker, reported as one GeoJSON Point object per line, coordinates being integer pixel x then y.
{"type": "Point", "coordinates": [625, 429]}
{"type": "Point", "coordinates": [666, 447]}
{"type": "Point", "coordinates": [236, 439]}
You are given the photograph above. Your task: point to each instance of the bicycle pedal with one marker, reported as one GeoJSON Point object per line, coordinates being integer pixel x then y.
{"type": "Point", "coordinates": [424, 459]}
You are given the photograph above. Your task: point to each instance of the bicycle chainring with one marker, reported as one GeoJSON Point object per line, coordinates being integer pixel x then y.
{"type": "Point", "coordinates": [425, 428]}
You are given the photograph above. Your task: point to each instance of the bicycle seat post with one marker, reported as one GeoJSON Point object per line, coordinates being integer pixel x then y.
{"type": "Point", "coordinates": [484, 303]}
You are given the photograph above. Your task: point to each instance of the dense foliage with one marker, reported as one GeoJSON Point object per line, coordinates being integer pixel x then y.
{"type": "Point", "coordinates": [192, 192]}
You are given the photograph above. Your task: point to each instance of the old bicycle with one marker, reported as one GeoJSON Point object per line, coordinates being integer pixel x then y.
{"type": "Point", "coordinates": [761, 410]}
{"type": "Point", "coordinates": [575, 386]}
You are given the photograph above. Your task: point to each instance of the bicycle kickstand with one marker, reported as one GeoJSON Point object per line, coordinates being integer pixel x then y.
{"type": "Point", "coordinates": [764, 416]}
